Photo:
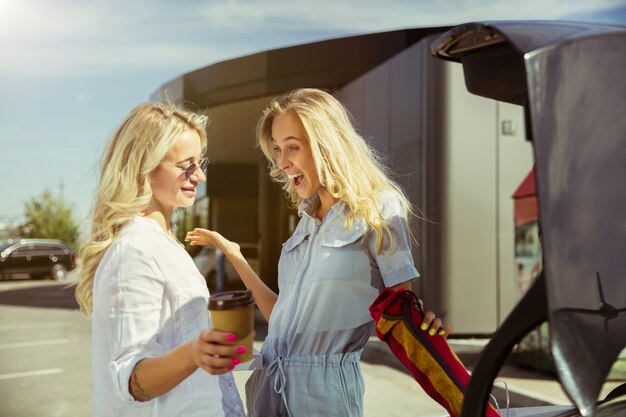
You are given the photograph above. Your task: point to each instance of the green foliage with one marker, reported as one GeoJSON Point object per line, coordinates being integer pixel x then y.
{"type": "Point", "coordinates": [47, 217]}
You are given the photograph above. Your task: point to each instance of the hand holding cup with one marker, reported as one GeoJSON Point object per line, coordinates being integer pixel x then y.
{"type": "Point", "coordinates": [216, 352]}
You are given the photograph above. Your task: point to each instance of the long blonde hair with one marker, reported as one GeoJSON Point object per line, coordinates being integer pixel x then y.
{"type": "Point", "coordinates": [346, 165]}
{"type": "Point", "coordinates": [134, 150]}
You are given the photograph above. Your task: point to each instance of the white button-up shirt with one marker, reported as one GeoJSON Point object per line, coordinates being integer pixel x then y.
{"type": "Point", "coordinates": [149, 298]}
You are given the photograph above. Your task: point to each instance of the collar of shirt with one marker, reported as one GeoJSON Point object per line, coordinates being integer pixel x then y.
{"type": "Point", "coordinates": [309, 207]}
{"type": "Point", "coordinates": [155, 226]}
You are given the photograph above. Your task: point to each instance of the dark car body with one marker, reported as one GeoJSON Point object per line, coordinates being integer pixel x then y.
{"type": "Point", "coordinates": [569, 77]}
{"type": "Point", "coordinates": [35, 258]}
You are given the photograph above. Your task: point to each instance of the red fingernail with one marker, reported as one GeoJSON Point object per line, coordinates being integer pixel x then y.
{"type": "Point", "coordinates": [231, 337]}
{"type": "Point", "coordinates": [231, 367]}
{"type": "Point", "coordinates": [236, 361]}
{"type": "Point", "coordinates": [241, 349]}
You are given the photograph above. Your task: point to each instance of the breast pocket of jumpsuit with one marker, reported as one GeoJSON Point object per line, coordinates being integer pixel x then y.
{"type": "Point", "coordinates": [337, 254]}
{"type": "Point", "coordinates": [291, 257]}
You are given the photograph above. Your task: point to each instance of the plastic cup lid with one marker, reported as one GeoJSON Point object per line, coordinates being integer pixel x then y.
{"type": "Point", "coordinates": [229, 300]}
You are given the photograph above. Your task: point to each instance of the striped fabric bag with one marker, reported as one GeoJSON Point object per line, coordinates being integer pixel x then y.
{"type": "Point", "coordinates": [429, 359]}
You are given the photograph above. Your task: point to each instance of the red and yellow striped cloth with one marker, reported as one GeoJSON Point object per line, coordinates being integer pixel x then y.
{"type": "Point", "coordinates": [429, 359]}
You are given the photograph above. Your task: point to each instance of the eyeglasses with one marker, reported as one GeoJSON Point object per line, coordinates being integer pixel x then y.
{"type": "Point", "coordinates": [190, 169]}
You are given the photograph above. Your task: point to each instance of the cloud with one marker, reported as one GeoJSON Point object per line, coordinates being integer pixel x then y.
{"type": "Point", "coordinates": [91, 38]}
{"type": "Point", "coordinates": [100, 58]}
{"type": "Point", "coordinates": [361, 16]}
{"type": "Point", "coordinates": [43, 39]}
{"type": "Point", "coordinates": [22, 143]}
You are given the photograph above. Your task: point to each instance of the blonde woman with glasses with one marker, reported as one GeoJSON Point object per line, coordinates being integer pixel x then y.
{"type": "Point", "coordinates": [352, 240]}
{"type": "Point", "coordinates": [153, 350]}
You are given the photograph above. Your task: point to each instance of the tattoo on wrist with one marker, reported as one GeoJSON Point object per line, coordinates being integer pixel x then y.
{"type": "Point", "coordinates": [136, 390]}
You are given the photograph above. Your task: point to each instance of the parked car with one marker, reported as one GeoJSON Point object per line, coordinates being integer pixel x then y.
{"type": "Point", "coordinates": [35, 258]}
{"type": "Point", "coordinates": [207, 262]}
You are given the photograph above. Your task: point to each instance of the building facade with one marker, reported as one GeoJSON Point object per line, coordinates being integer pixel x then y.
{"type": "Point", "coordinates": [460, 157]}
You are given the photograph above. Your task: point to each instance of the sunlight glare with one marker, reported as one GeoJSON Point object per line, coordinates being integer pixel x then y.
{"type": "Point", "coordinates": [10, 15]}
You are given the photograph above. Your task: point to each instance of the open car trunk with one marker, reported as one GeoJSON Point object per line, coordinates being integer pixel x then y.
{"type": "Point", "coordinates": [569, 77]}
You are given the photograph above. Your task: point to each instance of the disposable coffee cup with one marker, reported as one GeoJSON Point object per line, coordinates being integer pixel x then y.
{"type": "Point", "coordinates": [233, 311]}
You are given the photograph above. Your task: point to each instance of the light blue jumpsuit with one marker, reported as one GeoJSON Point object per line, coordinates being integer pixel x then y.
{"type": "Point", "coordinates": [327, 276]}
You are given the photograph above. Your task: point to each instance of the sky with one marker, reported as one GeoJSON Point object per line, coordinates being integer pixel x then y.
{"type": "Point", "coordinates": [70, 70]}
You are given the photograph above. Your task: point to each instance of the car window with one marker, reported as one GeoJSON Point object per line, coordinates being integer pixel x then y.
{"type": "Point", "coordinates": [23, 251]}
{"type": "Point", "coordinates": [50, 248]}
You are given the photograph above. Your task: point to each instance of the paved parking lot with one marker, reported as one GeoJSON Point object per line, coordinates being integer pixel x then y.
{"type": "Point", "coordinates": [44, 352]}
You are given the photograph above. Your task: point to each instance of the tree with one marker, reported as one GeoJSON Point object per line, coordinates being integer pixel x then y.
{"type": "Point", "coordinates": [47, 217]}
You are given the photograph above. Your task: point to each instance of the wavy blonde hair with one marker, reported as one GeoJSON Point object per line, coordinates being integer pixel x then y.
{"type": "Point", "coordinates": [135, 149]}
{"type": "Point", "coordinates": [346, 165]}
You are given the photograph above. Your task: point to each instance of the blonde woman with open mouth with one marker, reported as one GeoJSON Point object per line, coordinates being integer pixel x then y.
{"type": "Point", "coordinates": [352, 240]}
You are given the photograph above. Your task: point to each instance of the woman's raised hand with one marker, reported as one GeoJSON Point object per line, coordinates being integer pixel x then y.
{"type": "Point", "coordinates": [202, 237]}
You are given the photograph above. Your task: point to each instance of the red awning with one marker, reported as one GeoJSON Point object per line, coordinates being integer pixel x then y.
{"type": "Point", "coordinates": [527, 188]}
{"type": "Point", "coordinates": [526, 207]}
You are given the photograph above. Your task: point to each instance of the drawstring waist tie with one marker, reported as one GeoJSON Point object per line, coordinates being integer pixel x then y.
{"type": "Point", "coordinates": [277, 364]}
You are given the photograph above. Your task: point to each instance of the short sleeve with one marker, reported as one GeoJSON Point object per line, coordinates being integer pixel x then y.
{"type": "Point", "coordinates": [395, 263]}
{"type": "Point", "coordinates": [129, 300]}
